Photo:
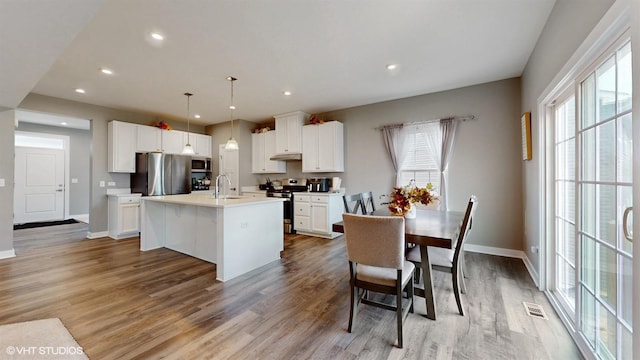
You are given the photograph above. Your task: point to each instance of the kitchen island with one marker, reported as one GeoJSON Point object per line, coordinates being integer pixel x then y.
{"type": "Point", "coordinates": [238, 234]}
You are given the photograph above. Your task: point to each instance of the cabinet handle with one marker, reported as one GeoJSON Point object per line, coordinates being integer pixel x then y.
{"type": "Point", "coordinates": [625, 228]}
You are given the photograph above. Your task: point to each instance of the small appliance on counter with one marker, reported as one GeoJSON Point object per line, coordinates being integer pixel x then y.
{"type": "Point", "coordinates": [319, 184]}
{"type": "Point", "coordinates": [200, 184]}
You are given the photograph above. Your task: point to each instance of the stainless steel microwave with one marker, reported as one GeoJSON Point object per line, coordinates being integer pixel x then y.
{"type": "Point", "coordinates": [200, 165]}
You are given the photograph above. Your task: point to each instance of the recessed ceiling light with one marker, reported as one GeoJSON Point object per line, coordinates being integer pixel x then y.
{"type": "Point", "coordinates": [232, 107]}
{"type": "Point", "coordinates": [81, 91]}
{"type": "Point", "coordinates": [106, 71]}
{"type": "Point", "coordinates": [197, 116]}
{"type": "Point", "coordinates": [392, 66]}
{"type": "Point", "coordinates": [287, 93]}
{"type": "Point", "coordinates": [63, 123]}
{"type": "Point", "coordinates": [157, 36]}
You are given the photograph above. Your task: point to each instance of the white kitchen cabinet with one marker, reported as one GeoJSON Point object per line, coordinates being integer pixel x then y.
{"type": "Point", "coordinates": [289, 132]}
{"type": "Point", "coordinates": [124, 215]}
{"type": "Point", "coordinates": [121, 147]}
{"type": "Point", "coordinates": [315, 213]}
{"type": "Point", "coordinates": [201, 144]}
{"type": "Point", "coordinates": [323, 147]}
{"type": "Point", "coordinates": [263, 146]}
{"type": "Point", "coordinates": [173, 141]}
{"type": "Point", "coordinates": [148, 138]}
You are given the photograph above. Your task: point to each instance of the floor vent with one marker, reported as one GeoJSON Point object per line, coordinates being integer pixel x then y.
{"type": "Point", "coordinates": [535, 310]}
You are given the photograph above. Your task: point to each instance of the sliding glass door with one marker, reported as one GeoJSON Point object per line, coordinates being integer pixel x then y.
{"type": "Point", "coordinates": [593, 187]}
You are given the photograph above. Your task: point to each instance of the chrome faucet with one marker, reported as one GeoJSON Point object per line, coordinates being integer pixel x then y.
{"type": "Point", "coordinates": [216, 193]}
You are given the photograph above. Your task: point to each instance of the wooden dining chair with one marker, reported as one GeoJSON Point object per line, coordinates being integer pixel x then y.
{"type": "Point", "coordinates": [450, 260]}
{"type": "Point", "coordinates": [368, 206]}
{"type": "Point", "coordinates": [353, 203]}
{"type": "Point", "coordinates": [375, 249]}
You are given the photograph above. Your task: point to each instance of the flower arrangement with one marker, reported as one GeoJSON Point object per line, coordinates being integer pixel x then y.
{"type": "Point", "coordinates": [315, 120]}
{"type": "Point", "coordinates": [402, 198]}
{"type": "Point", "coordinates": [162, 125]}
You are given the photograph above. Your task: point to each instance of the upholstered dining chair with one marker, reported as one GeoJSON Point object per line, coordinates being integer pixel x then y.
{"type": "Point", "coordinates": [353, 203]}
{"type": "Point", "coordinates": [450, 260]}
{"type": "Point", "coordinates": [375, 249]}
{"type": "Point", "coordinates": [368, 206]}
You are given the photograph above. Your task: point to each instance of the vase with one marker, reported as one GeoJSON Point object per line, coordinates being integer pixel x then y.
{"type": "Point", "coordinates": [411, 214]}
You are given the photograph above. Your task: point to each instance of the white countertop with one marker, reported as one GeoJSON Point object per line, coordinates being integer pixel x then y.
{"type": "Point", "coordinates": [125, 195]}
{"type": "Point", "coordinates": [209, 201]}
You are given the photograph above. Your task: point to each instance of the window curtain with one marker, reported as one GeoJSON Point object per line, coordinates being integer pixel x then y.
{"type": "Point", "coordinates": [439, 138]}
{"type": "Point", "coordinates": [394, 139]}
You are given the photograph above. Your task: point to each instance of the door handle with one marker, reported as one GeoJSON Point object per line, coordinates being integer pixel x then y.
{"type": "Point", "coordinates": [625, 228]}
{"type": "Point", "coordinates": [60, 190]}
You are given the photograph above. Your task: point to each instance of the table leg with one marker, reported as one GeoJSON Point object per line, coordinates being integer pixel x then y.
{"type": "Point", "coordinates": [428, 283]}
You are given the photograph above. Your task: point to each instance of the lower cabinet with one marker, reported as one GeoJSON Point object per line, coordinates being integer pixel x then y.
{"type": "Point", "coordinates": [124, 215]}
{"type": "Point", "coordinates": [315, 213]}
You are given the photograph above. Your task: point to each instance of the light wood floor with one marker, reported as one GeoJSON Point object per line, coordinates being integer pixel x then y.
{"type": "Point", "coordinates": [120, 303]}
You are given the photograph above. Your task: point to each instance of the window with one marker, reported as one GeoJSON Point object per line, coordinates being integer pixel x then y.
{"type": "Point", "coordinates": [418, 160]}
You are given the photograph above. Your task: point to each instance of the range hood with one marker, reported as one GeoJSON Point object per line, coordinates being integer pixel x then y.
{"type": "Point", "coordinates": [287, 156]}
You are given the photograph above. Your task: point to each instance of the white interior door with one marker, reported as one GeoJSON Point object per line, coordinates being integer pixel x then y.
{"type": "Point", "coordinates": [39, 185]}
{"type": "Point", "coordinates": [230, 166]}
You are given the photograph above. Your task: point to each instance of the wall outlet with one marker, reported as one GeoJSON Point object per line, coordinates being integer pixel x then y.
{"type": "Point", "coordinates": [74, 180]}
{"type": "Point", "coordinates": [244, 225]}
{"type": "Point", "coordinates": [101, 183]}
{"type": "Point", "coordinates": [2, 183]}
{"type": "Point", "coordinates": [111, 183]}
{"type": "Point", "coordinates": [534, 249]}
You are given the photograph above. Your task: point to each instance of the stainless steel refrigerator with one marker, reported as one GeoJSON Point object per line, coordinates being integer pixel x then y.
{"type": "Point", "coordinates": [161, 174]}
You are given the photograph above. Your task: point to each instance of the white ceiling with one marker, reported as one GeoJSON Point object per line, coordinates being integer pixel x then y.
{"type": "Point", "coordinates": [329, 54]}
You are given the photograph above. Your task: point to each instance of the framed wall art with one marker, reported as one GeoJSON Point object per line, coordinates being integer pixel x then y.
{"type": "Point", "coordinates": [525, 123]}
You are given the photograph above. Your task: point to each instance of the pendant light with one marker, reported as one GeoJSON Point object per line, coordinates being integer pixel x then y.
{"type": "Point", "coordinates": [188, 149]}
{"type": "Point", "coordinates": [231, 144]}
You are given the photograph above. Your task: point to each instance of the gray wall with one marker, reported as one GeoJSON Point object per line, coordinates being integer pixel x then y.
{"type": "Point", "coordinates": [7, 124]}
{"type": "Point", "coordinates": [486, 160]}
{"type": "Point", "coordinates": [79, 161]}
{"type": "Point", "coordinates": [560, 38]}
{"type": "Point", "coordinates": [99, 117]}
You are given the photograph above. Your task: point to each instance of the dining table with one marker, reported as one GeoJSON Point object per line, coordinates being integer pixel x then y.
{"type": "Point", "coordinates": [429, 228]}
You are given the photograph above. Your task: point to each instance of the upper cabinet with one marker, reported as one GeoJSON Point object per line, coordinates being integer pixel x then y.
{"type": "Point", "coordinates": [126, 139]}
{"type": "Point", "coordinates": [289, 132]}
{"type": "Point", "coordinates": [323, 147]}
{"type": "Point", "coordinates": [148, 138]}
{"type": "Point", "coordinates": [173, 141]}
{"type": "Point", "coordinates": [121, 147]}
{"type": "Point", "coordinates": [263, 146]}
{"type": "Point", "coordinates": [201, 144]}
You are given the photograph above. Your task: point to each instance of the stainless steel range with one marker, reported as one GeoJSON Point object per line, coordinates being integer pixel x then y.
{"type": "Point", "coordinates": [285, 191]}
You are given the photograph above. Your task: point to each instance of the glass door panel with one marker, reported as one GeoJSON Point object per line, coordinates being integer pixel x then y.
{"type": "Point", "coordinates": [592, 279]}
{"type": "Point", "coordinates": [604, 187]}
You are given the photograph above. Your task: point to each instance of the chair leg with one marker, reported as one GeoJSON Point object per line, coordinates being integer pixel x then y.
{"type": "Point", "coordinates": [456, 289]}
{"type": "Point", "coordinates": [399, 316]}
{"type": "Point", "coordinates": [417, 273]}
{"type": "Point", "coordinates": [353, 308]}
{"type": "Point", "coordinates": [410, 293]}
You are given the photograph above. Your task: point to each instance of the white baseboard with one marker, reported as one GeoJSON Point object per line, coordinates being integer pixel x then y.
{"type": "Point", "coordinates": [96, 235]}
{"type": "Point", "coordinates": [80, 217]}
{"type": "Point", "coordinates": [490, 250]}
{"type": "Point", "coordinates": [532, 270]}
{"type": "Point", "coordinates": [518, 254]}
{"type": "Point", "coordinates": [6, 254]}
